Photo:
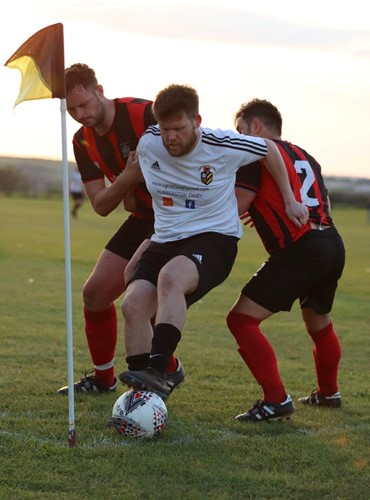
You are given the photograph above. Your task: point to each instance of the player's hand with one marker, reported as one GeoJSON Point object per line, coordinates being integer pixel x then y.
{"type": "Point", "coordinates": [132, 168]}
{"type": "Point", "coordinates": [297, 213]}
{"type": "Point", "coordinates": [248, 219]}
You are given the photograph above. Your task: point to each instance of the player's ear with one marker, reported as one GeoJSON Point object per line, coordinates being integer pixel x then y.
{"type": "Point", "coordinates": [198, 121]}
{"type": "Point", "coordinates": [256, 126]}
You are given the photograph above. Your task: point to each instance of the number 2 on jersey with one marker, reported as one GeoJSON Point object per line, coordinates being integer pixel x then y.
{"type": "Point", "coordinates": [302, 166]}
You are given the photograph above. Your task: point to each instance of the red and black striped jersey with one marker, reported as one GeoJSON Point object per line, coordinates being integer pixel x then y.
{"type": "Point", "coordinates": [100, 156]}
{"type": "Point", "coordinates": [268, 210]}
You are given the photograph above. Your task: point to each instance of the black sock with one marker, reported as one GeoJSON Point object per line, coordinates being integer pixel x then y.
{"type": "Point", "coordinates": [138, 361]}
{"type": "Point", "coordinates": [164, 343]}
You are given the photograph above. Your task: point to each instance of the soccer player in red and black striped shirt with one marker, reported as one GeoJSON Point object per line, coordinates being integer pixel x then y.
{"type": "Point", "coordinates": [305, 263]}
{"type": "Point", "coordinates": [104, 150]}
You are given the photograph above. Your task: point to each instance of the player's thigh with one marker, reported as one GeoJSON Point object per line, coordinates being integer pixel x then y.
{"type": "Point", "coordinates": [130, 268]}
{"type": "Point", "coordinates": [245, 305]}
{"type": "Point", "coordinates": [179, 274]}
{"type": "Point", "coordinates": [107, 277]}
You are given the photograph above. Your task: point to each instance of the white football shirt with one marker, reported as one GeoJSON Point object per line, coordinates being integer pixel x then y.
{"type": "Point", "coordinates": [194, 193]}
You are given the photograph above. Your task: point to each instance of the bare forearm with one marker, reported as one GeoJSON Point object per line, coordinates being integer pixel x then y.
{"type": "Point", "coordinates": [105, 200]}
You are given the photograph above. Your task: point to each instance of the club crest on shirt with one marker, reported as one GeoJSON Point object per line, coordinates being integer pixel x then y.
{"type": "Point", "coordinates": [125, 149]}
{"type": "Point", "coordinates": [206, 174]}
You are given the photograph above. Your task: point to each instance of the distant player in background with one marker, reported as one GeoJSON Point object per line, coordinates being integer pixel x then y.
{"type": "Point", "coordinates": [76, 190]}
{"type": "Point", "coordinates": [305, 263]}
{"type": "Point", "coordinates": [104, 151]}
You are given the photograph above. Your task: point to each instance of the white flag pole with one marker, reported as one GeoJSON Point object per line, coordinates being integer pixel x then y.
{"type": "Point", "coordinates": [67, 253]}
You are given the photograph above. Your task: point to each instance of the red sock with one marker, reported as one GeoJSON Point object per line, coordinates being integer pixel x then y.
{"type": "Point", "coordinates": [258, 354]}
{"type": "Point", "coordinates": [326, 353]}
{"type": "Point", "coordinates": [172, 364]}
{"type": "Point", "coordinates": [101, 334]}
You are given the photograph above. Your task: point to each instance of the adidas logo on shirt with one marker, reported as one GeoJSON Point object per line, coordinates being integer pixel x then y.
{"type": "Point", "coordinates": [198, 257]}
{"type": "Point", "coordinates": [155, 166]}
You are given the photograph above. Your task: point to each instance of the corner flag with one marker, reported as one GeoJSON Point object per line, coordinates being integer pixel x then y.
{"type": "Point", "coordinates": [41, 62]}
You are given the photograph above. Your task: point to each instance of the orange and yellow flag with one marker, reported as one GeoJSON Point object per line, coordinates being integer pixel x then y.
{"type": "Point", "coordinates": [41, 62]}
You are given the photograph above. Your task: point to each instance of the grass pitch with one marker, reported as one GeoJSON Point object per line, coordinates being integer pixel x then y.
{"type": "Point", "coordinates": [203, 453]}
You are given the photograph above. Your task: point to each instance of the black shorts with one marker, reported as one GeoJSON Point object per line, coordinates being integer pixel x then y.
{"type": "Point", "coordinates": [213, 253]}
{"type": "Point", "coordinates": [130, 236]}
{"type": "Point", "coordinates": [308, 270]}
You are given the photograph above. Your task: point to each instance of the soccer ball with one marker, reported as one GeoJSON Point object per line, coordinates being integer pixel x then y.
{"type": "Point", "coordinates": [139, 414]}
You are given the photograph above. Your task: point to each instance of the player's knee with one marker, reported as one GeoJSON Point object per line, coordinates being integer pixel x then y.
{"type": "Point", "coordinates": [95, 296]}
{"type": "Point", "coordinates": [131, 306]}
{"type": "Point", "coordinates": [240, 325]}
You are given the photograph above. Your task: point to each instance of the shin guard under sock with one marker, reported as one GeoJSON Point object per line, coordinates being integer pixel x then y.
{"type": "Point", "coordinates": [327, 354]}
{"type": "Point", "coordinates": [172, 364]}
{"type": "Point", "coordinates": [164, 343]}
{"type": "Point", "coordinates": [258, 355]}
{"type": "Point", "coordinates": [101, 335]}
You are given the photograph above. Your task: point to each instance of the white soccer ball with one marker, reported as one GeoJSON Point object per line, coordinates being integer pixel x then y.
{"type": "Point", "coordinates": [139, 414]}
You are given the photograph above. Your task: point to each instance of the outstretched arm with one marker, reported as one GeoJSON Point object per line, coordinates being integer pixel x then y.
{"type": "Point", "coordinates": [297, 212]}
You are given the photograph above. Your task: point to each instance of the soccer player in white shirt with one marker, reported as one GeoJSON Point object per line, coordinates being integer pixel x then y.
{"type": "Point", "coordinates": [190, 174]}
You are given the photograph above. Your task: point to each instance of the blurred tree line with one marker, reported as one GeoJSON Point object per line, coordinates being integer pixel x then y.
{"type": "Point", "coordinates": [39, 178]}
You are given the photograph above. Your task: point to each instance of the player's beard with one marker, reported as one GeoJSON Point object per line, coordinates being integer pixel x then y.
{"type": "Point", "coordinates": [96, 120]}
{"type": "Point", "coordinates": [181, 148]}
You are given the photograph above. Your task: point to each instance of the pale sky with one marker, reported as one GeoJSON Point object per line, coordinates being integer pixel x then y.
{"type": "Point", "coordinates": [311, 59]}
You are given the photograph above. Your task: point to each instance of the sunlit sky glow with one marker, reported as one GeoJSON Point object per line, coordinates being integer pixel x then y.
{"type": "Point", "coordinates": [311, 59]}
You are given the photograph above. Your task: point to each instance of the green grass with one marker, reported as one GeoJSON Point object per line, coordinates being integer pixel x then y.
{"type": "Point", "coordinates": [203, 452]}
